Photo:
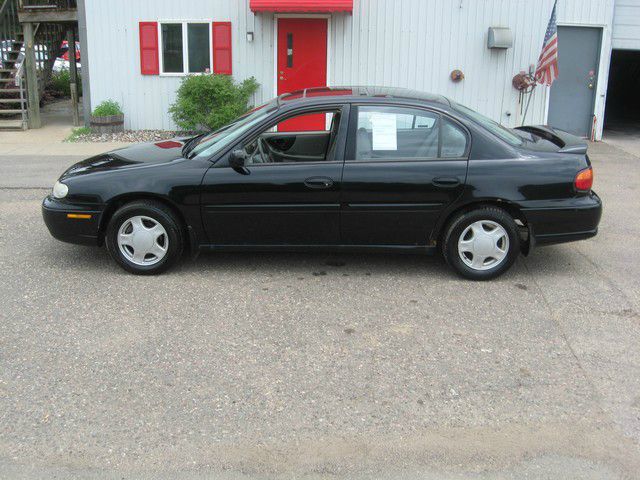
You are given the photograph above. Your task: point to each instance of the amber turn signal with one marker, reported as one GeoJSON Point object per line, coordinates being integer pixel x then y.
{"type": "Point", "coordinates": [79, 216]}
{"type": "Point", "coordinates": [584, 180]}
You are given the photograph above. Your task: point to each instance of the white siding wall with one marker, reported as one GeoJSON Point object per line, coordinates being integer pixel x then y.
{"type": "Point", "coordinates": [114, 53]}
{"type": "Point", "coordinates": [406, 43]}
{"type": "Point", "coordinates": [626, 25]}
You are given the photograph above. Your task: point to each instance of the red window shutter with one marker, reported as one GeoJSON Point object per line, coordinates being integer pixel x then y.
{"type": "Point", "coordinates": [149, 63]}
{"type": "Point", "coordinates": [222, 48]}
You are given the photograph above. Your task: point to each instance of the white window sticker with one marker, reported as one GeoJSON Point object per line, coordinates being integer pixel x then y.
{"type": "Point", "coordinates": [384, 131]}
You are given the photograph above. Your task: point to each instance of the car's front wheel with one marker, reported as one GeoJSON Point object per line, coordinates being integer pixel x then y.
{"type": "Point", "coordinates": [481, 244]}
{"type": "Point", "coordinates": [144, 237]}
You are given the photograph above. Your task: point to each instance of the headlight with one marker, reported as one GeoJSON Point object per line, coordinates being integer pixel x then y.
{"type": "Point", "coordinates": [60, 190]}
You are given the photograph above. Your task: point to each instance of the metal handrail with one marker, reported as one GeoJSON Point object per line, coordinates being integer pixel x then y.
{"type": "Point", "coordinates": [19, 74]}
{"type": "Point", "coordinates": [23, 100]}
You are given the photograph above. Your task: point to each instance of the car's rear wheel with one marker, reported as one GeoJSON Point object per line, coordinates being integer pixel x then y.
{"type": "Point", "coordinates": [481, 244]}
{"type": "Point", "coordinates": [144, 237]}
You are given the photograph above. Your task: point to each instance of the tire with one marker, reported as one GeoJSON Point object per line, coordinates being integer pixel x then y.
{"type": "Point", "coordinates": [491, 233]}
{"type": "Point", "coordinates": [144, 237]}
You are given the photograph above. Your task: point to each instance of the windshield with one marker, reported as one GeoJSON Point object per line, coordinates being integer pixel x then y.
{"type": "Point", "coordinates": [211, 143]}
{"type": "Point", "coordinates": [507, 134]}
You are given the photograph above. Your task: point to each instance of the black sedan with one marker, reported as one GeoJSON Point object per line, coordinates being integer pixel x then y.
{"type": "Point", "coordinates": [366, 168]}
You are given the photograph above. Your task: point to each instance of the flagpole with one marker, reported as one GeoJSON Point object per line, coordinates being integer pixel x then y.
{"type": "Point", "coordinates": [547, 69]}
{"type": "Point", "coordinates": [547, 96]}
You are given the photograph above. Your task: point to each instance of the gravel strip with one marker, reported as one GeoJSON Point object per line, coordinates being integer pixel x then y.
{"type": "Point", "coordinates": [133, 136]}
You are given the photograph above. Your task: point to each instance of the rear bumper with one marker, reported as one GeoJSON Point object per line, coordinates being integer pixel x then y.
{"type": "Point", "coordinates": [564, 221]}
{"type": "Point", "coordinates": [64, 224]}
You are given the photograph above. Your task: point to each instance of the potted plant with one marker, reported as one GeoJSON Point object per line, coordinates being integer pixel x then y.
{"type": "Point", "coordinates": [107, 118]}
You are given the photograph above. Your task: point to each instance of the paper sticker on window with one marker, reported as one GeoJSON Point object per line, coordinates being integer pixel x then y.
{"type": "Point", "coordinates": [384, 131]}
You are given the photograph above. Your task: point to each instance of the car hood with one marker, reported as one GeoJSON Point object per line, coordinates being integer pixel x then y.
{"type": "Point", "coordinates": [141, 154]}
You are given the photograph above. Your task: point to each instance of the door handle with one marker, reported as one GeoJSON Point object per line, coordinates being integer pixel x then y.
{"type": "Point", "coordinates": [318, 182]}
{"type": "Point", "coordinates": [446, 182]}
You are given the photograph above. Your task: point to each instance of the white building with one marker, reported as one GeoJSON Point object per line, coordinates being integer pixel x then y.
{"type": "Point", "coordinates": [136, 52]}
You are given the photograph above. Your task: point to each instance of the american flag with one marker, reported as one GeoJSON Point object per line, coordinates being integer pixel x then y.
{"type": "Point", "coordinates": [547, 69]}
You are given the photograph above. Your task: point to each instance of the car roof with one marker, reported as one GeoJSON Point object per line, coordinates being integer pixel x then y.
{"type": "Point", "coordinates": [310, 95]}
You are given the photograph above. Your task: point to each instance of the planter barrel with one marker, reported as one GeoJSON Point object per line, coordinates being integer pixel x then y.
{"type": "Point", "coordinates": [109, 124]}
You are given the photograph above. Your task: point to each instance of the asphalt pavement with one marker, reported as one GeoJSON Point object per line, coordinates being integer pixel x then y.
{"type": "Point", "coordinates": [255, 366]}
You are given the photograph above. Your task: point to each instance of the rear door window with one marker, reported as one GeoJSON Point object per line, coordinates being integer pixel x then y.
{"type": "Point", "coordinates": [402, 133]}
{"type": "Point", "coordinates": [454, 140]}
{"type": "Point", "coordinates": [396, 133]}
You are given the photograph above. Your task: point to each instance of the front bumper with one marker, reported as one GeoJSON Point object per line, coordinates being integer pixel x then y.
{"type": "Point", "coordinates": [564, 221]}
{"type": "Point", "coordinates": [78, 224]}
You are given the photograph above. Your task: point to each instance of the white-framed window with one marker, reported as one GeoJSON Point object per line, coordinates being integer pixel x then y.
{"type": "Point", "coordinates": [185, 47]}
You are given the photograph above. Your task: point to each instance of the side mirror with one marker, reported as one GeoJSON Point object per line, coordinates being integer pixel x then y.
{"type": "Point", "coordinates": [237, 158]}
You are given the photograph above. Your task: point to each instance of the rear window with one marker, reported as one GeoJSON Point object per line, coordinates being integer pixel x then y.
{"type": "Point", "coordinates": [506, 134]}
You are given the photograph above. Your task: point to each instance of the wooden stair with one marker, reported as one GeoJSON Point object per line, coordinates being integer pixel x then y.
{"type": "Point", "coordinates": [48, 36]}
{"type": "Point", "coordinates": [13, 105]}
{"type": "Point", "coordinates": [12, 125]}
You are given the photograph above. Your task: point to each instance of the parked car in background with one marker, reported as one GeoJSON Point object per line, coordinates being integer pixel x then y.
{"type": "Point", "coordinates": [64, 51]}
{"type": "Point", "coordinates": [41, 54]}
{"type": "Point", "coordinates": [62, 61]}
{"type": "Point", "coordinates": [369, 169]}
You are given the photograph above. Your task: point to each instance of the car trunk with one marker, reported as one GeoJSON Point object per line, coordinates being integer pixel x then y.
{"type": "Point", "coordinates": [545, 138]}
{"type": "Point", "coordinates": [566, 153]}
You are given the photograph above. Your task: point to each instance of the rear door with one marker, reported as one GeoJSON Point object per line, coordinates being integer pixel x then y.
{"type": "Point", "coordinates": [403, 167]}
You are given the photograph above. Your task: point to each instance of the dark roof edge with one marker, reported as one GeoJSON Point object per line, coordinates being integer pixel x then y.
{"type": "Point", "coordinates": [368, 91]}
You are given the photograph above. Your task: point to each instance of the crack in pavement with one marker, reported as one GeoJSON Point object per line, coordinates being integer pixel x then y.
{"type": "Point", "coordinates": [565, 338]}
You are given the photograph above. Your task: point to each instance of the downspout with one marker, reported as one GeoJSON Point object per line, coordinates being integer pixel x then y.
{"type": "Point", "coordinates": [84, 56]}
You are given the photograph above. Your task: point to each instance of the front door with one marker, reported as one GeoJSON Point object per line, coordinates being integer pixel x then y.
{"type": "Point", "coordinates": [287, 193]}
{"type": "Point", "coordinates": [302, 63]}
{"type": "Point", "coordinates": [572, 97]}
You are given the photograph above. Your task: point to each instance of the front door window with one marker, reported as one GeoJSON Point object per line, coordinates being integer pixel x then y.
{"type": "Point", "coordinates": [274, 146]}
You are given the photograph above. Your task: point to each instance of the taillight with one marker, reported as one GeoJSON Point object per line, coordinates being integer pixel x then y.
{"type": "Point", "coordinates": [584, 180]}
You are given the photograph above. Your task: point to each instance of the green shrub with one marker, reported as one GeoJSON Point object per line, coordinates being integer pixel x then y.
{"type": "Point", "coordinates": [77, 133]}
{"type": "Point", "coordinates": [107, 108]}
{"type": "Point", "coordinates": [61, 82]}
{"type": "Point", "coordinates": [210, 101]}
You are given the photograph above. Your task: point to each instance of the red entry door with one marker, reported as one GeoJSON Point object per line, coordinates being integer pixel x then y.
{"type": "Point", "coordinates": [302, 63]}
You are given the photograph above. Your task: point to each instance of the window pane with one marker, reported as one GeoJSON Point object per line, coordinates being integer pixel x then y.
{"type": "Point", "coordinates": [507, 134]}
{"type": "Point", "coordinates": [454, 140]}
{"type": "Point", "coordinates": [396, 133]}
{"type": "Point", "coordinates": [172, 61]}
{"type": "Point", "coordinates": [289, 50]}
{"type": "Point", "coordinates": [404, 121]}
{"type": "Point", "coordinates": [310, 122]}
{"type": "Point", "coordinates": [199, 47]}
{"type": "Point", "coordinates": [311, 144]}
{"type": "Point", "coordinates": [217, 140]}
